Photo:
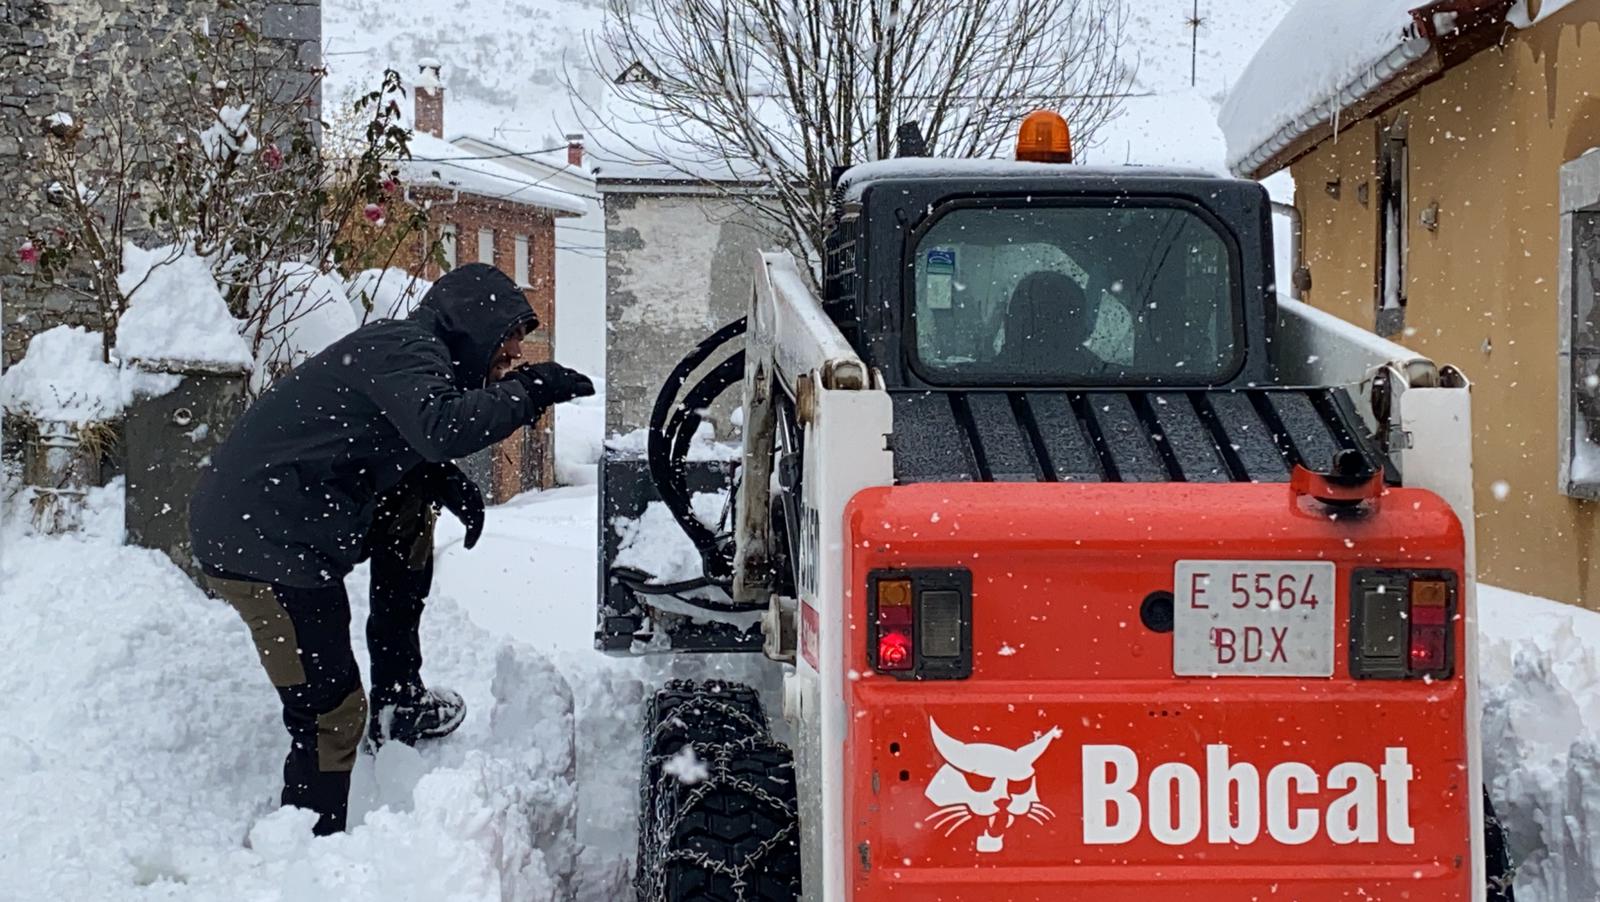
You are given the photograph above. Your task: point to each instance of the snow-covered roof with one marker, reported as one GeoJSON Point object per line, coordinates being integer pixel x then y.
{"type": "Point", "coordinates": [513, 155]}
{"type": "Point", "coordinates": [437, 162]}
{"type": "Point", "coordinates": [1321, 58]}
{"type": "Point", "coordinates": [1325, 57]}
{"type": "Point", "coordinates": [856, 180]}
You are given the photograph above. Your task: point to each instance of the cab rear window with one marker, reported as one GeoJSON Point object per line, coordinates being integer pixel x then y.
{"type": "Point", "coordinates": [1081, 294]}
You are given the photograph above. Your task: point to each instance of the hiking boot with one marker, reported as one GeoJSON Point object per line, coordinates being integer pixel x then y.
{"type": "Point", "coordinates": [426, 714]}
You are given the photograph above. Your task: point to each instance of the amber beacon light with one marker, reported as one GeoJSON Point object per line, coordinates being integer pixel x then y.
{"type": "Point", "coordinates": [1044, 138]}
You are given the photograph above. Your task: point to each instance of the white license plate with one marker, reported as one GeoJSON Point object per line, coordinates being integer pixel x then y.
{"type": "Point", "coordinates": [1253, 618]}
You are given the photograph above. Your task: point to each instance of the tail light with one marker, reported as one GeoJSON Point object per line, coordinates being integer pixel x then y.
{"type": "Point", "coordinates": [1400, 624]}
{"type": "Point", "coordinates": [921, 623]}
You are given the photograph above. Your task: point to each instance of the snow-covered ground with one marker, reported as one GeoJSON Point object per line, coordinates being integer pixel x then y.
{"type": "Point", "coordinates": [140, 749]}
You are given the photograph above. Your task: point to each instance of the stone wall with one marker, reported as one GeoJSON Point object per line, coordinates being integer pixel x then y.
{"type": "Point", "coordinates": [680, 264]}
{"type": "Point", "coordinates": [53, 54]}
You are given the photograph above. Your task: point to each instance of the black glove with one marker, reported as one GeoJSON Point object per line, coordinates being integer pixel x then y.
{"type": "Point", "coordinates": [551, 383]}
{"type": "Point", "coordinates": [444, 485]}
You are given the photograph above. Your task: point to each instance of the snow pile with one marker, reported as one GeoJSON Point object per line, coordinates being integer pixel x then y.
{"type": "Point", "coordinates": [703, 447]}
{"type": "Point", "coordinates": [686, 766]}
{"type": "Point", "coordinates": [62, 377]}
{"type": "Point", "coordinates": [176, 314]}
{"type": "Point", "coordinates": [230, 135]}
{"type": "Point", "coordinates": [580, 426]}
{"type": "Point", "coordinates": [308, 311]}
{"type": "Point", "coordinates": [385, 293]}
{"type": "Point", "coordinates": [1540, 672]}
{"type": "Point", "coordinates": [656, 544]}
{"type": "Point", "coordinates": [147, 757]}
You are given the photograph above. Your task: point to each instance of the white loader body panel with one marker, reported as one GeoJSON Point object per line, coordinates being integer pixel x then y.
{"type": "Point", "coordinates": [846, 416]}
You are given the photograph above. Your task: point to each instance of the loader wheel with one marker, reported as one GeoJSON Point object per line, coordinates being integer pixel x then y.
{"type": "Point", "coordinates": [717, 816]}
{"type": "Point", "coordinates": [1497, 859]}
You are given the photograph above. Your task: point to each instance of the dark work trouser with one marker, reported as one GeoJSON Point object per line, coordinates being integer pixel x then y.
{"type": "Point", "coordinates": [302, 636]}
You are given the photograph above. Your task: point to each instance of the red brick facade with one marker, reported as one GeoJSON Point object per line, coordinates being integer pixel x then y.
{"type": "Point", "coordinates": [526, 460]}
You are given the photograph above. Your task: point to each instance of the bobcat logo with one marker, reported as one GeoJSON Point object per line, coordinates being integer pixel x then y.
{"type": "Point", "coordinates": [985, 781]}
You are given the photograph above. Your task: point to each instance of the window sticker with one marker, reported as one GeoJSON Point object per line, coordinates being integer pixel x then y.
{"type": "Point", "coordinates": [939, 278]}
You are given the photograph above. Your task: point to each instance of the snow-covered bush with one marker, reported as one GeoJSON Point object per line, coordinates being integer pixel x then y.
{"type": "Point", "coordinates": [296, 312]}
{"type": "Point", "coordinates": [385, 293]}
{"type": "Point", "coordinates": [223, 165]}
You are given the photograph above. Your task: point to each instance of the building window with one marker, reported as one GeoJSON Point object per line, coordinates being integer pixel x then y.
{"type": "Point", "coordinates": [447, 246]}
{"type": "Point", "coordinates": [486, 246]}
{"type": "Point", "coordinates": [522, 262]}
{"type": "Point", "coordinates": [1580, 327]}
{"type": "Point", "coordinates": [1395, 238]}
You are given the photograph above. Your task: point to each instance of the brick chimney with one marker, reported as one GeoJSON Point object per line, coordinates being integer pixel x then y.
{"type": "Point", "coordinates": [575, 150]}
{"type": "Point", "coordinates": [429, 99]}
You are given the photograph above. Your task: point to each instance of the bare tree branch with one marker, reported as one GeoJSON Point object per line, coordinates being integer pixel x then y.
{"type": "Point", "coordinates": [780, 92]}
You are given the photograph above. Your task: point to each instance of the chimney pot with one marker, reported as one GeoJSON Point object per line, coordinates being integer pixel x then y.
{"type": "Point", "coordinates": [429, 98]}
{"type": "Point", "coordinates": [575, 150]}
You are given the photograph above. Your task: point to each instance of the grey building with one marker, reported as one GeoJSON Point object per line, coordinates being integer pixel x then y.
{"type": "Point", "coordinates": [680, 254]}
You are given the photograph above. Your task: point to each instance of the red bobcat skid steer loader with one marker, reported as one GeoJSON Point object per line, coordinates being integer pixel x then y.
{"type": "Point", "coordinates": [1094, 571]}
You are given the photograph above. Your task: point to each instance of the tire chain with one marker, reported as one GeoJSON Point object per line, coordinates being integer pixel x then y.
{"type": "Point", "coordinates": [720, 757]}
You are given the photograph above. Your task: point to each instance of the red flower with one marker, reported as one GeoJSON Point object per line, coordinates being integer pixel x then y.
{"type": "Point", "coordinates": [390, 186]}
{"type": "Point", "coordinates": [28, 253]}
{"type": "Point", "coordinates": [272, 158]}
{"type": "Point", "coordinates": [374, 214]}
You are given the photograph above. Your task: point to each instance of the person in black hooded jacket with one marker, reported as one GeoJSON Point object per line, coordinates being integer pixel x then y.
{"type": "Point", "coordinates": [343, 460]}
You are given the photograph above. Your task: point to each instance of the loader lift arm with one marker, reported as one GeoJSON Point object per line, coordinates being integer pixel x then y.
{"type": "Point", "coordinates": [792, 347]}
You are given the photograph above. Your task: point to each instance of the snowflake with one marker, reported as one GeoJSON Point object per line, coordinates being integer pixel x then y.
{"type": "Point", "coordinates": [686, 767]}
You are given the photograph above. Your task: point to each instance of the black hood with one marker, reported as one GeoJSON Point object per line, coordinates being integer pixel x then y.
{"type": "Point", "coordinates": [473, 308]}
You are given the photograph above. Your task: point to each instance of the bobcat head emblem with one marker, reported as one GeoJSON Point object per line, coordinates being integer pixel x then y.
{"type": "Point", "coordinates": [989, 784]}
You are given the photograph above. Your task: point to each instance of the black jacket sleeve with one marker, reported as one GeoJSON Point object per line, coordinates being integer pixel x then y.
{"type": "Point", "coordinates": [419, 397]}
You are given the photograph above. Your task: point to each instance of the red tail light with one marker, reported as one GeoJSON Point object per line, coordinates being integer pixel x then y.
{"type": "Point", "coordinates": [1430, 627]}
{"type": "Point", "coordinates": [895, 651]}
{"type": "Point", "coordinates": [894, 621]}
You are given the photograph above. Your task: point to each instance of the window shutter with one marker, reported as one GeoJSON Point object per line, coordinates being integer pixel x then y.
{"type": "Point", "coordinates": [1579, 356]}
{"type": "Point", "coordinates": [447, 241]}
{"type": "Point", "coordinates": [522, 262]}
{"type": "Point", "coordinates": [486, 246]}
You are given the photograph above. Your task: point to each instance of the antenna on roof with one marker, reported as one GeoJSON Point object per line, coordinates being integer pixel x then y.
{"type": "Point", "coordinates": [909, 141]}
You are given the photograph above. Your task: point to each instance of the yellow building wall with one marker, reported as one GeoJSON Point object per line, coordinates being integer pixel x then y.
{"type": "Point", "coordinates": [1486, 143]}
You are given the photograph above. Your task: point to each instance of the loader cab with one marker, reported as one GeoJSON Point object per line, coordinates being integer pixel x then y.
{"type": "Point", "coordinates": [971, 274]}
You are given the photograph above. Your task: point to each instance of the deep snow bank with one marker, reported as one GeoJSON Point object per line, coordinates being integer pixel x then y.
{"type": "Point", "coordinates": [1541, 738]}
{"type": "Point", "coordinates": [139, 755]}
{"type": "Point", "coordinates": [140, 751]}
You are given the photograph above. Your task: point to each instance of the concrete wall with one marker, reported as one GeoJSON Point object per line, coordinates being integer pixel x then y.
{"type": "Point", "coordinates": [581, 291]}
{"type": "Point", "coordinates": [678, 267]}
{"type": "Point", "coordinates": [52, 53]}
{"type": "Point", "coordinates": [1486, 144]}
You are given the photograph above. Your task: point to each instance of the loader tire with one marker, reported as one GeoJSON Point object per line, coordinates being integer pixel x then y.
{"type": "Point", "coordinates": [1497, 858]}
{"type": "Point", "coordinates": [718, 817]}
